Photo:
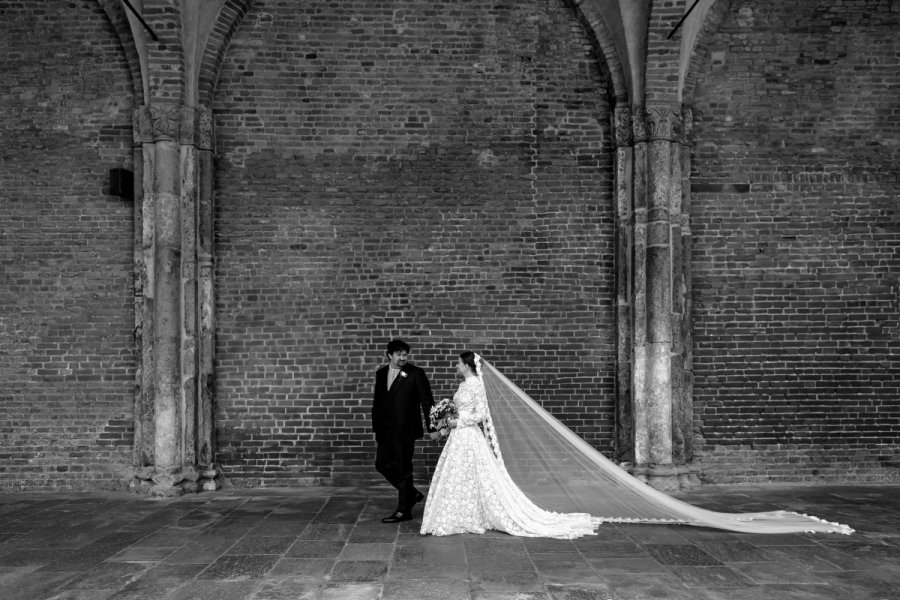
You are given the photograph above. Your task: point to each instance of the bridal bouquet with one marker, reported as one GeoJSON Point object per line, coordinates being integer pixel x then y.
{"type": "Point", "coordinates": [440, 415]}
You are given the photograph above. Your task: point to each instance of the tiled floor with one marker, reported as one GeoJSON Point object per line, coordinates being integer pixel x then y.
{"type": "Point", "coordinates": [323, 543]}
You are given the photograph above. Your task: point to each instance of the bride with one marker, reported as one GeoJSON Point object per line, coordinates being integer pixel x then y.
{"type": "Point", "coordinates": [552, 484]}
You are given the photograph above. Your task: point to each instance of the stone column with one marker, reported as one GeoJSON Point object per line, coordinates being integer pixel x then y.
{"type": "Point", "coordinates": [143, 300]}
{"type": "Point", "coordinates": [166, 336]}
{"type": "Point", "coordinates": [206, 300]}
{"type": "Point", "coordinates": [658, 345]}
{"type": "Point", "coordinates": [683, 370]}
{"type": "Point", "coordinates": [660, 413]}
{"type": "Point", "coordinates": [175, 449]}
{"type": "Point", "coordinates": [639, 399]}
{"type": "Point", "coordinates": [624, 446]}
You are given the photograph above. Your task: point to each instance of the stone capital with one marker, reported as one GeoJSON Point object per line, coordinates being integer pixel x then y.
{"type": "Point", "coordinates": [664, 123]}
{"type": "Point", "coordinates": [657, 122]}
{"type": "Point", "coordinates": [165, 121]}
{"type": "Point", "coordinates": [184, 124]}
{"type": "Point", "coordinates": [622, 126]}
{"type": "Point", "coordinates": [639, 124]}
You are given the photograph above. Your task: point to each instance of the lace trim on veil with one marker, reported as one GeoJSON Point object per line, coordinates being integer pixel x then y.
{"type": "Point", "coordinates": [488, 422]}
{"type": "Point", "coordinates": [561, 472]}
{"type": "Point", "coordinates": [491, 433]}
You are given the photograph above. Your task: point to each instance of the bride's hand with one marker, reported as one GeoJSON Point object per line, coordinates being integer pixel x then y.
{"type": "Point", "coordinates": [452, 422]}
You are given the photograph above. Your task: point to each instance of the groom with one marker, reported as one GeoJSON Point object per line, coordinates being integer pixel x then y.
{"type": "Point", "coordinates": [402, 395]}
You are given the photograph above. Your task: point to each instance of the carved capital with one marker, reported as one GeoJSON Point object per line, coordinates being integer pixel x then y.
{"type": "Point", "coordinates": [622, 126]}
{"type": "Point", "coordinates": [143, 126]}
{"type": "Point", "coordinates": [185, 124]}
{"type": "Point", "coordinates": [166, 121]}
{"type": "Point", "coordinates": [639, 124]}
{"type": "Point", "coordinates": [664, 123]}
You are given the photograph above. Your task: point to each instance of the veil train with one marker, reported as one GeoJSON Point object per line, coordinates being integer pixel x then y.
{"type": "Point", "coordinates": [561, 472]}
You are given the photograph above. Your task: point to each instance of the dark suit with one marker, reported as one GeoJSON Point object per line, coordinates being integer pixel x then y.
{"type": "Point", "coordinates": [397, 416]}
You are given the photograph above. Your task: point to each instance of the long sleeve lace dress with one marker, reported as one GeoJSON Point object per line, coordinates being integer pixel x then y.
{"type": "Point", "coordinates": [472, 492]}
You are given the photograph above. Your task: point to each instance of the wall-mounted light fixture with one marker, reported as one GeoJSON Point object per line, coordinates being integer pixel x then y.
{"type": "Point", "coordinates": [121, 183]}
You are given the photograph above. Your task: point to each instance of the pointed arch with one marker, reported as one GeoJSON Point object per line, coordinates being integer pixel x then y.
{"type": "Point", "coordinates": [229, 19]}
{"type": "Point", "coordinates": [700, 48]}
{"type": "Point", "coordinates": [115, 12]}
{"type": "Point", "coordinates": [611, 48]}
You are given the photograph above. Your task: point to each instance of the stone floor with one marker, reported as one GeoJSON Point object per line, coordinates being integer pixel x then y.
{"type": "Point", "coordinates": [322, 543]}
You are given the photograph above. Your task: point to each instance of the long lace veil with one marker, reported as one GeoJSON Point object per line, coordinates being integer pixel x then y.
{"type": "Point", "coordinates": [561, 472]}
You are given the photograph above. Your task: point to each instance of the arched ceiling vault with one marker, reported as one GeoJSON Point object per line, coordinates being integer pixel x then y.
{"type": "Point", "coordinates": [627, 23]}
{"type": "Point", "coordinates": [621, 28]}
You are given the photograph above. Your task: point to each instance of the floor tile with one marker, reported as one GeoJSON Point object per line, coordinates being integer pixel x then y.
{"type": "Point", "coordinates": [419, 589]}
{"type": "Point", "coordinates": [353, 551]}
{"type": "Point", "coordinates": [315, 549]}
{"type": "Point", "coordinates": [359, 570]}
{"type": "Point", "coordinates": [288, 588]}
{"type": "Point", "coordinates": [351, 591]}
{"type": "Point", "coordinates": [302, 567]}
{"type": "Point", "coordinates": [776, 572]}
{"type": "Point", "coordinates": [107, 575]}
{"type": "Point", "coordinates": [680, 554]}
{"type": "Point", "coordinates": [139, 554]}
{"type": "Point", "coordinates": [626, 565]}
{"type": "Point", "coordinates": [656, 586]}
{"type": "Point", "coordinates": [373, 534]}
{"type": "Point", "coordinates": [711, 577]}
{"type": "Point", "coordinates": [254, 544]}
{"type": "Point", "coordinates": [215, 590]}
{"type": "Point", "coordinates": [729, 551]}
{"type": "Point", "coordinates": [239, 567]}
{"type": "Point", "coordinates": [326, 531]}
{"type": "Point", "coordinates": [611, 550]}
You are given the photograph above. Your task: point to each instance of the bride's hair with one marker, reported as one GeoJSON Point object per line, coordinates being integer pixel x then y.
{"type": "Point", "coordinates": [468, 357]}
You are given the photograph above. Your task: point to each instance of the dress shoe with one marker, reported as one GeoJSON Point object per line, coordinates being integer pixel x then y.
{"type": "Point", "coordinates": [397, 517]}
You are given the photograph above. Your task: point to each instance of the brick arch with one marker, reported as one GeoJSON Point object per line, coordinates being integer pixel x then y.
{"type": "Point", "coordinates": [230, 17]}
{"type": "Point", "coordinates": [711, 23]}
{"type": "Point", "coordinates": [611, 61]}
{"type": "Point", "coordinates": [115, 12]}
{"type": "Point", "coordinates": [233, 12]}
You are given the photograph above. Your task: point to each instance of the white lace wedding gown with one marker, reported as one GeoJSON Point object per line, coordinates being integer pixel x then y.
{"type": "Point", "coordinates": [471, 490]}
{"type": "Point", "coordinates": [547, 465]}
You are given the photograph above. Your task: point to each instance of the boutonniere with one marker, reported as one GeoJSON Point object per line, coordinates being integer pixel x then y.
{"type": "Point", "coordinates": [403, 374]}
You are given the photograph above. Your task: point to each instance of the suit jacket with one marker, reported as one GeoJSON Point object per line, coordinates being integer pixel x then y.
{"type": "Point", "coordinates": [400, 410]}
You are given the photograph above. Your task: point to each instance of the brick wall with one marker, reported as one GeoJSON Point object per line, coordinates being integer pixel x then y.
{"type": "Point", "coordinates": [439, 172]}
{"type": "Point", "coordinates": [442, 172]}
{"type": "Point", "coordinates": [66, 353]}
{"type": "Point", "coordinates": [796, 270]}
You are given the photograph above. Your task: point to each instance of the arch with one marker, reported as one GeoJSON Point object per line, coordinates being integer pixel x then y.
{"type": "Point", "coordinates": [700, 48]}
{"type": "Point", "coordinates": [610, 46]}
{"type": "Point", "coordinates": [229, 19]}
{"type": "Point", "coordinates": [115, 12]}
{"type": "Point", "coordinates": [233, 12]}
